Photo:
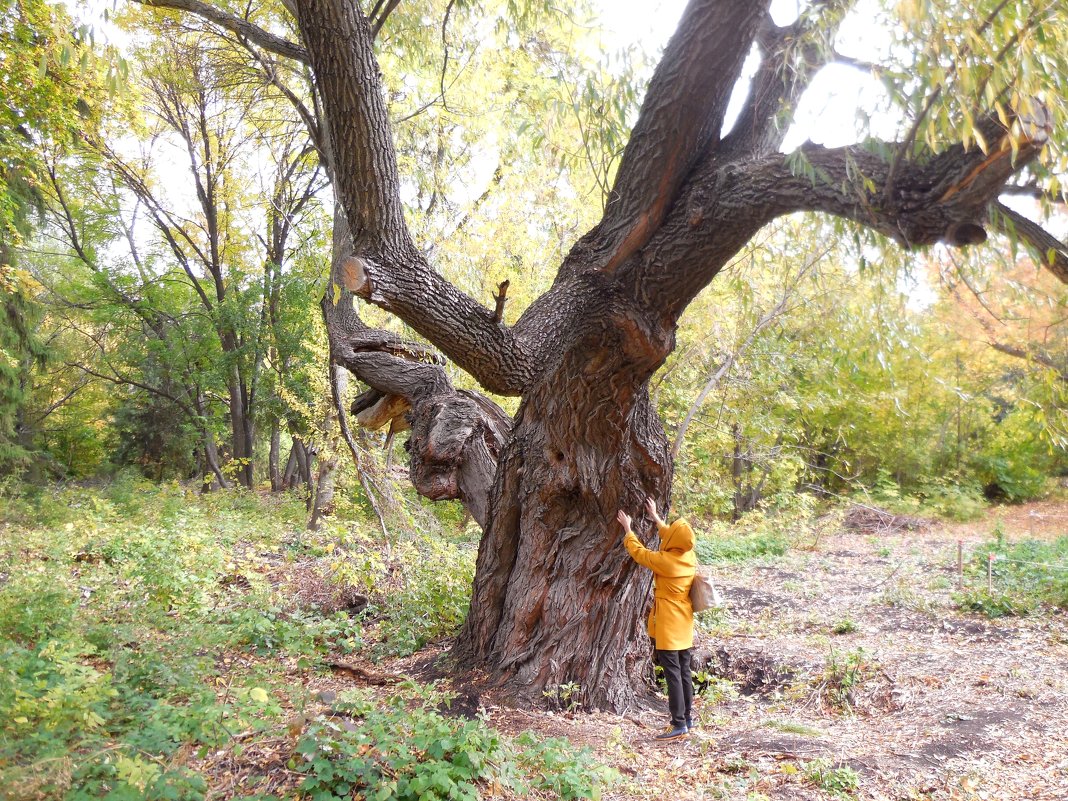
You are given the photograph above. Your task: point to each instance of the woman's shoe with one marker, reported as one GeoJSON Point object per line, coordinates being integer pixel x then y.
{"type": "Point", "coordinates": [673, 733]}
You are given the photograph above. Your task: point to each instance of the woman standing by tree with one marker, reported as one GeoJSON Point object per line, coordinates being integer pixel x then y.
{"type": "Point", "coordinates": [671, 618]}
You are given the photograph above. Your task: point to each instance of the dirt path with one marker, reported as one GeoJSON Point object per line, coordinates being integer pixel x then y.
{"type": "Point", "coordinates": [852, 655]}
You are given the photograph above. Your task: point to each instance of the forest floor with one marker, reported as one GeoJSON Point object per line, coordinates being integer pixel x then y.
{"type": "Point", "coordinates": [173, 643]}
{"type": "Point", "coordinates": [845, 668]}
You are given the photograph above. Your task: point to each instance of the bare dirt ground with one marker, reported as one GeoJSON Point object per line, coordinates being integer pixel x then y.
{"type": "Point", "coordinates": [844, 662]}
{"type": "Point", "coordinates": [920, 700]}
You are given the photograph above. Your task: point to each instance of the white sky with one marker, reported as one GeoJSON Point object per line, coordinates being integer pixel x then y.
{"type": "Point", "coordinates": [827, 115]}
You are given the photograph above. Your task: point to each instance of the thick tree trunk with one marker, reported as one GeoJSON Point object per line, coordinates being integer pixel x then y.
{"type": "Point", "coordinates": [557, 599]}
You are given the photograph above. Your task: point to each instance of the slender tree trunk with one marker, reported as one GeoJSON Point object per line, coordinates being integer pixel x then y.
{"type": "Point", "coordinates": [305, 458]}
{"type": "Point", "coordinates": [289, 475]}
{"type": "Point", "coordinates": [326, 474]}
{"type": "Point", "coordinates": [272, 458]}
{"type": "Point", "coordinates": [304, 461]}
{"type": "Point", "coordinates": [323, 492]}
{"type": "Point", "coordinates": [249, 431]}
{"type": "Point", "coordinates": [212, 463]}
{"type": "Point", "coordinates": [241, 432]}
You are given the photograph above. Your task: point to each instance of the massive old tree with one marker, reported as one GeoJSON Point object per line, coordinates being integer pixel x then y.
{"type": "Point", "coordinates": [555, 598]}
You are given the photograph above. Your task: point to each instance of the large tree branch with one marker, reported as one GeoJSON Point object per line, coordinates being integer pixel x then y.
{"type": "Point", "coordinates": [235, 24]}
{"type": "Point", "coordinates": [387, 269]}
{"type": "Point", "coordinates": [1051, 251]}
{"type": "Point", "coordinates": [904, 147]}
{"type": "Point", "coordinates": [1033, 355]}
{"type": "Point", "coordinates": [1033, 190]}
{"type": "Point", "coordinates": [945, 198]}
{"type": "Point", "coordinates": [681, 118]}
{"type": "Point", "coordinates": [456, 436]}
{"type": "Point", "coordinates": [338, 38]}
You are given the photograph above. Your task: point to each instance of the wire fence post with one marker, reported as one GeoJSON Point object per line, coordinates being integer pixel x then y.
{"type": "Point", "coordinates": [960, 565]}
{"type": "Point", "coordinates": [989, 573]}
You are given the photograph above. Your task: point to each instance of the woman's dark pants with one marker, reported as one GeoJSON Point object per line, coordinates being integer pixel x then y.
{"type": "Point", "coordinates": [676, 665]}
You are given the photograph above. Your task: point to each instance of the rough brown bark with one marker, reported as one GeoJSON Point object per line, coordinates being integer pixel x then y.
{"type": "Point", "coordinates": [556, 598]}
{"type": "Point", "coordinates": [273, 456]}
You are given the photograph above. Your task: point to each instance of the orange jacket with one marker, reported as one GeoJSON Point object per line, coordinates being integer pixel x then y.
{"type": "Point", "coordinates": [673, 566]}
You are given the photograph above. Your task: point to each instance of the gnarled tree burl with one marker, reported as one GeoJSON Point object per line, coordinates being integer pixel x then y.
{"type": "Point", "coordinates": [556, 599]}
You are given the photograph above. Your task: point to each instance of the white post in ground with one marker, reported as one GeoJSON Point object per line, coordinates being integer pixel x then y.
{"type": "Point", "coordinates": [960, 565]}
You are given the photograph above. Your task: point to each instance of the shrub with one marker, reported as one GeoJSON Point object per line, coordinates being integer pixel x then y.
{"type": "Point", "coordinates": [434, 599]}
{"type": "Point", "coordinates": [554, 765]}
{"type": "Point", "coordinates": [742, 547]}
{"type": "Point", "coordinates": [953, 500]}
{"type": "Point", "coordinates": [838, 781]}
{"type": "Point", "coordinates": [844, 627]}
{"type": "Point", "coordinates": [301, 632]}
{"type": "Point", "coordinates": [842, 677]}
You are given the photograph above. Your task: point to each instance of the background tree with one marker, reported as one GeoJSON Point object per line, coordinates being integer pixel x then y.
{"type": "Point", "coordinates": [186, 275]}
{"type": "Point", "coordinates": [52, 86]}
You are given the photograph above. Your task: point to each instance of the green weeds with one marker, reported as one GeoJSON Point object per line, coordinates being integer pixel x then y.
{"type": "Point", "coordinates": [405, 749]}
{"type": "Point", "coordinates": [742, 547]}
{"type": "Point", "coordinates": [845, 626]}
{"type": "Point", "coordinates": [1025, 577]}
{"type": "Point", "coordinates": [838, 781]}
{"type": "Point", "coordinates": [432, 600]}
{"type": "Point", "coordinates": [842, 678]}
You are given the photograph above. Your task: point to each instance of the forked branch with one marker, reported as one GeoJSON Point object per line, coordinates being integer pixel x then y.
{"type": "Point", "coordinates": [946, 198]}
{"type": "Point", "coordinates": [680, 119]}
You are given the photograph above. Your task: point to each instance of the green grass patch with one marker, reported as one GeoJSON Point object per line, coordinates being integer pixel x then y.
{"type": "Point", "coordinates": [792, 727]}
{"type": "Point", "coordinates": [405, 748]}
{"type": "Point", "coordinates": [1027, 576]}
{"type": "Point", "coordinates": [741, 547]}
